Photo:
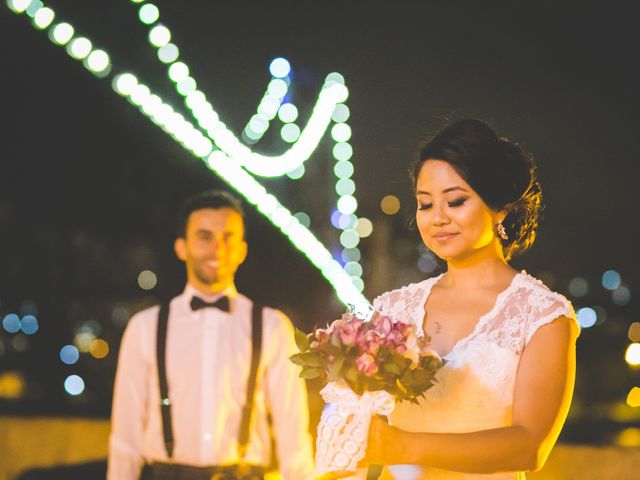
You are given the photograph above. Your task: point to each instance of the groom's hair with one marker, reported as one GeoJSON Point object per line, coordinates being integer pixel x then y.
{"type": "Point", "coordinates": [214, 199]}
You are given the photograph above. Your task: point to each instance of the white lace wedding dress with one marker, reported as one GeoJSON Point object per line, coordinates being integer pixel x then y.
{"type": "Point", "coordinates": [475, 387]}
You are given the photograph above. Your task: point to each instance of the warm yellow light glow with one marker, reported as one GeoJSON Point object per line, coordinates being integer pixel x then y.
{"type": "Point", "coordinates": [83, 341]}
{"type": "Point", "coordinates": [390, 205]}
{"type": "Point", "coordinates": [634, 332]}
{"type": "Point", "coordinates": [632, 355]}
{"type": "Point", "coordinates": [364, 227]}
{"type": "Point", "coordinates": [12, 385]}
{"type": "Point", "coordinates": [633, 399]}
{"type": "Point", "coordinates": [629, 437]}
{"type": "Point", "coordinates": [99, 348]}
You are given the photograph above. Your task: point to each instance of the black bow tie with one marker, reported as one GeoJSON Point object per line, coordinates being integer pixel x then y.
{"type": "Point", "coordinates": [222, 303]}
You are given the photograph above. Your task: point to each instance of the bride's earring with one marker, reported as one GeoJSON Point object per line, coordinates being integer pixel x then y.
{"type": "Point", "coordinates": [500, 230]}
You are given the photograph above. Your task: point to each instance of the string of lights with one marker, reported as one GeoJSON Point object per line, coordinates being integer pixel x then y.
{"type": "Point", "coordinates": [291, 163]}
{"type": "Point", "coordinates": [172, 122]}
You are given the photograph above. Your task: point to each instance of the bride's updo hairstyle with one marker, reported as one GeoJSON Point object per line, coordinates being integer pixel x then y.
{"type": "Point", "coordinates": [498, 170]}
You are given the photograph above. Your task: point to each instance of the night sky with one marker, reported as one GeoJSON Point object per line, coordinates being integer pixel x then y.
{"type": "Point", "coordinates": [89, 188]}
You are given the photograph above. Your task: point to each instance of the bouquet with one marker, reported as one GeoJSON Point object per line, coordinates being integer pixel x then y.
{"type": "Point", "coordinates": [368, 366]}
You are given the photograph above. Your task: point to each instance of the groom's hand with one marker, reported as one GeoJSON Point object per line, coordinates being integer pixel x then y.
{"type": "Point", "coordinates": [382, 439]}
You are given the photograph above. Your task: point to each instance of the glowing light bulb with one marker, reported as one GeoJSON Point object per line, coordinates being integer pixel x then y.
{"type": "Point", "coordinates": [61, 33]}
{"type": "Point", "coordinates": [279, 67]}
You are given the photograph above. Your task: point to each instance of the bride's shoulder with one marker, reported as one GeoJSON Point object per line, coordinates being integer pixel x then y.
{"type": "Point", "coordinates": [539, 294]}
{"type": "Point", "coordinates": [403, 296]}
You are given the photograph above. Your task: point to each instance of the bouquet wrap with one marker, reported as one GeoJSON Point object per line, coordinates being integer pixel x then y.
{"type": "Point", "coordinates": [344, 425]}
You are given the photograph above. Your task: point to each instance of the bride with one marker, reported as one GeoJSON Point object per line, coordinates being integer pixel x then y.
{"type": "Point", "coordinates": [509, 342]}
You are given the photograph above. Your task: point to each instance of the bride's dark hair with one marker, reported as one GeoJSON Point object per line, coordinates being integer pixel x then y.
{"type": "Point", "coordinates": [500, 172]}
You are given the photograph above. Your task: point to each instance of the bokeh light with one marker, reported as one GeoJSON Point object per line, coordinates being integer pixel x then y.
{"type": "Point", "coordinates": [280, 67]}
{"type": "Point", "coordinates": [288, 112]}
{"type": "Point", "coordinates": [159, 36]}
{"type": "Point", "coordinates": [290, 132]}
{"type": "Point", "coordinates": [33, 7]}
{"type": "Point", "coordinates": [351, 255]}
{"type": "Point", "coordinates": [611, 280]}
{"type": "Point", "coordinates": [364, 227]}
{"type": "Point", "coordinates": [342, 151]}
{"type": "Point", "coordinates": [633, 398]}
{"type": "Point", "coordinates": [79, 48]}
{"type": "Point", "coordinates": [69, 354]}
{"type": "Point", "coordinates": [578, 287]}
{"type": "Point", "coordinates": [74, 385]}
{"type": "Point", "coordinates": [347, 204]}
{"type": "Point", "coordinates": [29, 324]}
{"type": "Point", "coordinates": [296, 173]}
{"type": "Point", "coordinates": [358, 283]}
{"type": "Point", "coordinates": [11, 323]}
{"type": "Point", "coordinates": [20, 343]}
{"type": "Point", "coordinates": [632, 355]}
{"type": "Point", "coordinates": [587, 317]}
{"type": "Point", "coordinates": [621, 296]}
{"type": "Point", "coordinates": [345, 186]}
{"type": "Point", "coordinates": [390, 204]}
{"type": "Point", "coordinates": [43, 18]}
{"type": "Point", "coordinates": [18, 6]}
{"type": "Point", "coordinates": [61, 33]}
{"type": "Point", "coordinates": [343, 169]}
{"type": "Point", "coordinates": [353, 268]}
{"type": "Point", "coordinates": [634, 332]}
{"type": "Point", "coordinates": [148, 13]}
{"type": "Point", "coordinates": [168, 53]}
{"type": "Point", "coordinates": [98, 61]}
{"type": "Point", "coordinates": [341, 132]}
{"type": "Point", "coordinates": [303, 218]}
{"type": "Point", "coordinates": [99, 348]}
{"type": "Point", "coordinates": [120, 315]}
{"type": "Point", "coordinates": [178, 71]}
{"type": "Point", "coordinates": [349, 239]}
{"type": "Point", "coordinates": [12, 385]}
{"type": "Point", "coordinates": [147, 280]}
{"type": "Point", "coordinates": [340, 113]}
{"type": "Point", "coordinates": [628, 438]}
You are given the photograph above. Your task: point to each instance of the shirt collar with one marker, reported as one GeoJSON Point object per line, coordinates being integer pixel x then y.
{"type": "Point", "coordinates": [190, 291]}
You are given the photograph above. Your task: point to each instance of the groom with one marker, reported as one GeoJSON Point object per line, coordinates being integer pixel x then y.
{"type": "Point", "coordinates": [198, 376]}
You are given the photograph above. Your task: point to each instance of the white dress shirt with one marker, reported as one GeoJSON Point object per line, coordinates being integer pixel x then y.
{"type": "Point", "coordinates": [208, 360]}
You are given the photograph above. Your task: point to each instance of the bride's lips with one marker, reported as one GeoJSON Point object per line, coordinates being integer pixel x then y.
{"type": "Point", "coordinates": [444, 236]}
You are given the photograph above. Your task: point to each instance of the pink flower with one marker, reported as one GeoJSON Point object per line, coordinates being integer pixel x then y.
{"type": "Point", "coordinates": [321, 335]}
{"type": "Point", "coordinates": [369, 341]}
{"type": "Point", "coordinates": [347, 334]}
{"type": "Point", "coordinates": [394, 339]}
{"type": "Point", "coordinates": [382, 324]}
{"type": "Point", "coordinates": [367, 364]}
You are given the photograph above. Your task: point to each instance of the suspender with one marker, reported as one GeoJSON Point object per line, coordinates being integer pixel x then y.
{"type": "Point", "coordinates": [256, 350]}
{"type": "Point", "coordinates": [165, 402]}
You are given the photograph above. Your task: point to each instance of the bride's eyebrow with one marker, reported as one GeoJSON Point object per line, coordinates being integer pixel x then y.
{"type": "Point", "coordinates": [446, 190]}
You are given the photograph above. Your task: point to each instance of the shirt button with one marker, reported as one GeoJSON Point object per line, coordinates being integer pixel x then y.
{"type": "Point", "coordinates": [207, 437]}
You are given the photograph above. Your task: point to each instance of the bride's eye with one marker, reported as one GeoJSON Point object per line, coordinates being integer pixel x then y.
{"type": "Point", "coordinates": [458, 202]}
{"type": "Point", "coordinates": [424, 206]}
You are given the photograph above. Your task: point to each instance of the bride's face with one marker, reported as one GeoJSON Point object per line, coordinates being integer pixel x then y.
{"type": "Point", "coordinates": [454, 222]}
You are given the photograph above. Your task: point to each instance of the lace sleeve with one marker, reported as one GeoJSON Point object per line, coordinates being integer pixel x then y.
{"type": "Point", "coordinates": [545, 307]}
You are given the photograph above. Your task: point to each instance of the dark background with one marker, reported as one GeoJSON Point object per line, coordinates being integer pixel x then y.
{"type": "Point", "coordinates": [89, 188]}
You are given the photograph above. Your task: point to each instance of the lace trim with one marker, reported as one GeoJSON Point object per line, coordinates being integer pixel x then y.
{"type": "Point", "coordinates": [564, 309]}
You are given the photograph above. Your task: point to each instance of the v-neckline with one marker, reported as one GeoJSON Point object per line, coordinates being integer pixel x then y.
{"type": "Point", "coordinates": [479, 322]}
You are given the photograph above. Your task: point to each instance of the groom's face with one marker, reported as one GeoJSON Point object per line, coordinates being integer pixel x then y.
{"type": "Point", "coordinates": [213, 248]}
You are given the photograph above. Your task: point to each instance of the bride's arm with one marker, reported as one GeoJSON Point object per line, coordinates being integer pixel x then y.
{"type": "Point", "coordinates": [542, 395]}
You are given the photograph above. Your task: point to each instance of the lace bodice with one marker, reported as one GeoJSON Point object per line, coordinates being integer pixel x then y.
{"type": "Point", "coordinates": [475, 387]}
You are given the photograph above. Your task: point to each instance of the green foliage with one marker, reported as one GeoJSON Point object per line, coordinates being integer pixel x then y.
{"type": "Point", "coordinates": [331, 360]}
